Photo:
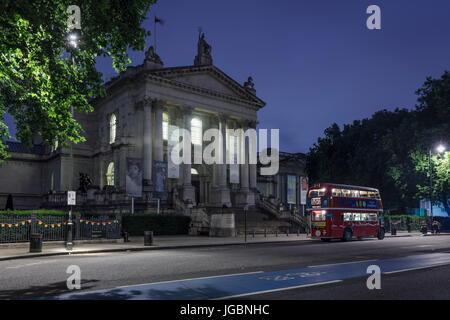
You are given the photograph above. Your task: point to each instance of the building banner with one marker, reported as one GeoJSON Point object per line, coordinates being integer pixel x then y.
{"type": "Point", "coordinates": [303, 189]}
{"type": "Point", "coordinates": [173, 170]}
{"type": "Point", "coordinates": [291, 189]}
{"type": "Point", "coordinates": [134, 177]}
{"type": "Point", "coordinates": [160, 179]}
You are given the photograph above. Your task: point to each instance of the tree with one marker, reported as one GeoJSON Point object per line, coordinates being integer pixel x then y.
{"type": "Point", "coordinates": [38, 82]}
{"type": "Point", "coordinates": [389, 151]}
{"type": "Point", "coordinates": [441, 177]}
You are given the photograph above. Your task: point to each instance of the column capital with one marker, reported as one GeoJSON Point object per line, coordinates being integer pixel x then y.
{"type": "Point", "coordinates": [187, 110]}
{"type": "Point", "coordinates": [222, 117]}
{"type": "Point", "coordinates": [158, 103]}
{"type": "Point", "coordinates": [247, 123]}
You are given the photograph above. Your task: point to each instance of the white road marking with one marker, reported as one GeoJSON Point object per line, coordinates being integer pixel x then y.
{"type": "Point", "coordinates": [418, 268]}
{"type": "Point", "coordinates": [336, 264]}
{"type": "Point", "coordinates": [280, 289]}
{"type": "Point", "coordinates": [201, 278]}
{"type": "Point", "coordinates": [27, 265]}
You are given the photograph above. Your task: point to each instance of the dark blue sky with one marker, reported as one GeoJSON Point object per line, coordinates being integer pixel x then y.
{"type": "Point", "coordinates": [313, 62]}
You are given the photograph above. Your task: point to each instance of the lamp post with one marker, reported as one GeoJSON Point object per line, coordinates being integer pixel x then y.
{"type": "Point", "coordinates": [73, 39]}
{"type": "Point", "coordinates": [439, 149]}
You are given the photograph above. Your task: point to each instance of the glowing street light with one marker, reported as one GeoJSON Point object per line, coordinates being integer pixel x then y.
{"type": "Point", "coordinates": [440, 148]}
{"type": "Point", "coordinates": [73, 38]}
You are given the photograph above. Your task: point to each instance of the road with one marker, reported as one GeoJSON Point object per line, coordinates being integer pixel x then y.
{"type": "Point", "coordinates": [303, 270]}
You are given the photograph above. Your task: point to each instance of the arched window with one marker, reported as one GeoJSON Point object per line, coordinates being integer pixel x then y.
{"type": "Point", "coordinates": [196, 131]}
{"type": "Point", "coordinates": [165, 126]}
{"type": "Point", "coordinates": [110, 174]}
{"type": "Point", "coordinates": [112, 128]}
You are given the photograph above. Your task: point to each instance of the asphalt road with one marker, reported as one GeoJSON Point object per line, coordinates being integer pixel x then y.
{"type": "Point", "coordinates": [46, 276]}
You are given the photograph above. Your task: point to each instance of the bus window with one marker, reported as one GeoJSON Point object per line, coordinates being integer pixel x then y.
{"type": "Point", "coordinates": [336, 193]}
{"type": "Point", "coordinates": [373, 217]}
{"type": "Point", "coordinates": [347, 216]}
{"type": "Point", "coordinates": [374, 195]}
{"type": "Point", "coordinates": [357, 217]}
{"type": "Point", "coordinates": [364, 217]}
{"type": "Point", "coordinates": [319, 215]}
{"type": "Point", "coordinates": [317, 193]}
{"type": "Point", "coordinates": [363, 194]}
{"type": "Point", "coordinates": [346, 193]}
{"type": "Point", "coordinates": [354, 193]}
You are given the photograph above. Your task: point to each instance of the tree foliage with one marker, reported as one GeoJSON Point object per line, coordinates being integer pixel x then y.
{"type": "Point", "coordinates": [389, 151]}
{"type": "Point", "coordinates": [38, 81]}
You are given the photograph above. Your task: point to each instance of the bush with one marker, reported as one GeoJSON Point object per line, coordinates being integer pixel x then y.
{"type": "Point", "coordinates": [415, 221]}
{"type": "Point", "coordinates": [48, 212]}
{"type": "Point", "coordinates": [167, 224]}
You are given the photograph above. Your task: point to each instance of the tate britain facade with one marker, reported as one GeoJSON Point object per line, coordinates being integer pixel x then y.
{"type": "Point", "coordinates": [128, 142]}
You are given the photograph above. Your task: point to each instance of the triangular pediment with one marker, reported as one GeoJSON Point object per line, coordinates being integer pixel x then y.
{"type": "Point", "coordinates": [208, 78]}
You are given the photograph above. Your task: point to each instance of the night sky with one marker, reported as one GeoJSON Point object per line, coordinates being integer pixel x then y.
{"type": "Point", "coordinates": [313, 62]}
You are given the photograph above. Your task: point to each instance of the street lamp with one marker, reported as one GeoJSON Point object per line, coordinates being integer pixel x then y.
{"type": "Point", "coordinates": [72, 39]}
{"type": "Point", "coordinates": [439, 149]}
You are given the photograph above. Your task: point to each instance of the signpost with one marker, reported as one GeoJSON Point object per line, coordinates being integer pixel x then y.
{"type": "Point", "coordinates": [71, 201]}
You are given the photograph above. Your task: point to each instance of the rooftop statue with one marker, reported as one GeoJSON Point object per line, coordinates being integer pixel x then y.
{"type": "Point", "coordinates": [203, 51]}
{"type": "Point", "coordinates": [151, 55]}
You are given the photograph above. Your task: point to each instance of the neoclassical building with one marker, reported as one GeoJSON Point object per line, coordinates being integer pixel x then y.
{"type": "Point", "coordinates": [133, 120]}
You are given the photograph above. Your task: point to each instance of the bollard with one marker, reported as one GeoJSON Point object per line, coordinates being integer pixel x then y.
{"type": "Point", "coordinates": [35, 242]}
{"type": "Point", "coordinates": [287, 233]}
{"type": "Point", "coordinates": [298, 233]}
{"type": "Point", "coordinates": [265, 233]}
{"type": "Point", "coordinates": [253, 233]}
{"type": "Point", "coordinates": [125, 237]}
{"type": "Point", "coordinates": [276, 233]}
{"type": "Point", "coordinates": [148, 238]}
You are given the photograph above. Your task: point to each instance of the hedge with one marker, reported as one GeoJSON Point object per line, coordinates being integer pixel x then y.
{"type": "Point", "coordinates": [415, 221]}
{"type": "Point", "coordinates": [47, 212]}
{"type": "Point", "coordinates": [167, 224]}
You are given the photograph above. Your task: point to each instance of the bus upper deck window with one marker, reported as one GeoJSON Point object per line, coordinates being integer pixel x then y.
{"type": "Point", "coordinates": [317, 193]}
{"type": "Point", "coordinates": [354, 193]}
{"type": "Point", "coordinates": [363, 194]}
{"type": "Point", "coordinates": [336, 193]}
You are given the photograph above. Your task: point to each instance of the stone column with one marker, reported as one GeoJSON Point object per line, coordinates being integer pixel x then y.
{"type": "Point", "coordinates": [221, 195]}
{"type": "Point", "coordinates": [188, 189]}
{"type": "Point", "coordinates": [245, 166]}
{"type": "Point", "coordinates": [245, 196]}
{"type": "Point", "coordinates": [147, 147]}
{"type": "Point", "coordinates": [223, 153]}
{"type": "Point", "coordinates": [158, 141]}
{"type": "Point", "coordinates": [253, 169]}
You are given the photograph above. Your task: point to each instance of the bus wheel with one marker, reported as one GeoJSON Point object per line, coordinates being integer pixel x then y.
{"type": "Point", "coordinates": [380, 235]}
{"type": "Point", "coordinates": [325, 239]}
{"type": "Point", "coordinates": [348, 234]}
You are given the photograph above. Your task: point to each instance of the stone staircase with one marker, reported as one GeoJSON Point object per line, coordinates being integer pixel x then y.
{"type": "Point", "coordinates": [274, 209]}
{"type": "Point", "coordinates": [258, 222]}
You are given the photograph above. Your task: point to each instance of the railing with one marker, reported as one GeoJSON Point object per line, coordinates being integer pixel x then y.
{"type": "Point", "coordinates": [276, 210]}
{"type": "Point", "coordinates": [17, 228]}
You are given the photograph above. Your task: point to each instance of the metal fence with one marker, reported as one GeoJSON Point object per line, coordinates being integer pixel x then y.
{"type": "Point", "coordinates": [17, 228]}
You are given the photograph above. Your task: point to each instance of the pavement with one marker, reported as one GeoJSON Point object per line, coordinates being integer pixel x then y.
{"type": "Point", "coordinates": [21, 250]}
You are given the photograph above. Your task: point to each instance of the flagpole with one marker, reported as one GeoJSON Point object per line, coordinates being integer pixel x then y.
{"type": "Point", "coordinates": [155, 35]}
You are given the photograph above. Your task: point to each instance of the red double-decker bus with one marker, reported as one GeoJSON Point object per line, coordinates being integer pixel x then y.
{"type": "Point", "coordinates": [340, 211]}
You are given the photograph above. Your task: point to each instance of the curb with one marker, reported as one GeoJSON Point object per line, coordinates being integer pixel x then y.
{"type": "Point", "coordinates": [135, 249]}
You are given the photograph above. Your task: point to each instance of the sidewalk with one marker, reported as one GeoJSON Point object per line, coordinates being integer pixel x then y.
{"type": "Point", "coordinates": [21, 250]}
